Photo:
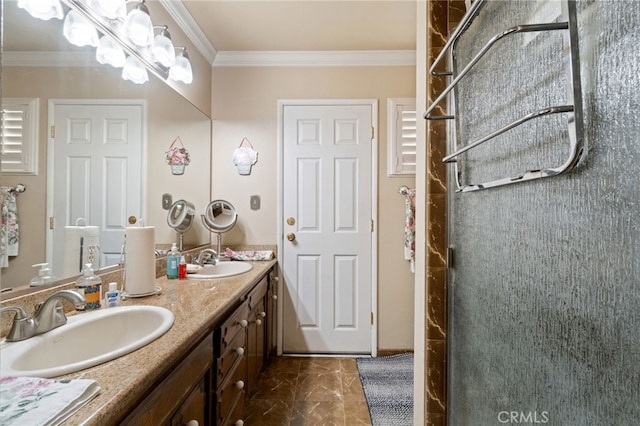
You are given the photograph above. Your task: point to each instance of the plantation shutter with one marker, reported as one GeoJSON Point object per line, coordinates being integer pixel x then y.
{"type": "Point", "coordinates": [18, 136]}
{"type": "Point", "coordinates": [402, 137]}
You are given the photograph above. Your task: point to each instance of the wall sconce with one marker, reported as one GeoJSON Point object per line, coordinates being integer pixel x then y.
{"type": "Point", "coordinates": [42, 9]}
{"type": "Point", "coordinates": [181, 69]}
{"type": "Point", "coordinates": [128, 39]}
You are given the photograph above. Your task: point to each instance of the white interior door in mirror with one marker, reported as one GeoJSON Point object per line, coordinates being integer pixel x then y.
{"type": "Point", "coordinates": [99, 147]}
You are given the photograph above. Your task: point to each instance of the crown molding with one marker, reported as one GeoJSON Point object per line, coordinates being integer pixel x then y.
{"type": "Point", "coordinates": [185, 21]}
{"type": "Point", "coordinates": [337, 58]}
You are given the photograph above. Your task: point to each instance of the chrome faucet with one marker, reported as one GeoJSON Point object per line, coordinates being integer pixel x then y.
{"type": "Point", "coordinates": [48, 315]}
{"type": "Point", "coordinates": [21, 327]}
{"type": "Point", "coordinates": [207, 256]}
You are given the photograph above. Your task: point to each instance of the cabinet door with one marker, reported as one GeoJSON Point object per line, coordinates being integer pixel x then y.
{"type": "Point", "coordinates": [271, 321]}
{"type": "Point", "coordinates": [256, 333]}
{"type": "Point", "coordinates": [192, 412]}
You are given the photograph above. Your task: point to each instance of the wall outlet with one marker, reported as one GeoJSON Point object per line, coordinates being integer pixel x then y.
{"type": "Point", "coordinates": [255, 202]}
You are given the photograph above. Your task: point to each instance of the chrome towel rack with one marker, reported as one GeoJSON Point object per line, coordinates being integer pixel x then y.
{"type": "Point", "coordinates": [573, 108]}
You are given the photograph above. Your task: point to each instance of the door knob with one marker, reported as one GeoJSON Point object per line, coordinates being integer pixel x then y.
{"type": "Point", "coordinates": [291, 236]}
{"type": "Point", "coordinates": [291, 221]}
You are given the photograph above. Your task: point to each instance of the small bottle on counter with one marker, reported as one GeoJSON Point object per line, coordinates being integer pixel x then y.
{"type": "Point", "coordinates": [113, 296]}
{"type": "Point", "coordinates": [173, 259]}
{"type": "Point", "coordinates": [182, 269]}
{"type": "Point", "coordinates": [90, 286]}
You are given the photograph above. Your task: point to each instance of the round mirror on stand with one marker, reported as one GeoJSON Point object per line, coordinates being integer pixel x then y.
{"type": "Point", "coordinates": [219, 217]}
{"type": "Point", "coordinates": [180, 218]}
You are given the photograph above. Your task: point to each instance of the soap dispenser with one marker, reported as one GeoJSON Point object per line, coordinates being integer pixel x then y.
{"type": "Point", "coordinates": [90, 285]}
{"type": "Point", "coordinates": [43, 276]}
{"type": "Point", "coordinates": [173, 259]}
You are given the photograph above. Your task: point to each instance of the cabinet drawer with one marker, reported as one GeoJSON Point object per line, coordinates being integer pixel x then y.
{"type": "Point", "coordinates": [256, 296]}
{"type": "Point", "coordinates": [231, 327]}
{"type": "Point", "coordinates": [236, 417]}
{"type": "Point", "coordinates": [231, 391]}
{"type": "Point", "coordinates": [235, 350]}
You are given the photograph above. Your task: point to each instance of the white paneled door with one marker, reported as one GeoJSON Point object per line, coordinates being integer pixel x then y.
{"type": "Point", "coordinates": [328, 222]}
{"type": "Point", "coordinates": [97, 157]}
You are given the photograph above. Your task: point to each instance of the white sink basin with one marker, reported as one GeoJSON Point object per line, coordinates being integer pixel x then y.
{"type": "Point", "coordinates": [221, 270]}
{"type": "Point", "coordinates": [86, 340]}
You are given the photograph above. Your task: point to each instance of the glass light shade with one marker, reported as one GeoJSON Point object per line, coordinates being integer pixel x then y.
{"type": "Point", "coordinates": [138, 26]}
{"type": "Point", "coordinates": [163, 51]}
{"type": "Point", "coordinates": [110, 9]}
{"type": "Point", "coordinates": [79, 31]}
{"type": "Point", "coordinates": [42, 9]}
{"type": "Point", "coordinates": [181, 70]}
{"type": "Point", "coordinates": [109, 52]}
{"type": "Point", "coordinates": [134, 71]}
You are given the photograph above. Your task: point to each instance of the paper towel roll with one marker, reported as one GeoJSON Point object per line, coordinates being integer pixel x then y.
{"type": "Point", "coordinates": [77, 240]}
{"type": "Point", "coordinates": [140, 260]}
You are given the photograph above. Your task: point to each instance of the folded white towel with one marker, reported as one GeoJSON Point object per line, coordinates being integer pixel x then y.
{"type": "Point", "coordinates": [36, 401]}
{"type": "Point", "coordinates": [249, 255]}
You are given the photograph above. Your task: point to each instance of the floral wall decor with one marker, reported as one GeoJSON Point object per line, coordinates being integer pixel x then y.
{"type": "Point", "coordinates": [177, 157]}
{"type": "Point", "coordinates": [244, 157]}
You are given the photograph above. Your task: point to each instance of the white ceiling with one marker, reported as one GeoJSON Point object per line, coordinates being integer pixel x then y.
{"type": "Point", "coordinates": [306, 25]}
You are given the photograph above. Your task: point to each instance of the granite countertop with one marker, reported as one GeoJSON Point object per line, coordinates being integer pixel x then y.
{"type": "Point", "coordinates": [197, 306]}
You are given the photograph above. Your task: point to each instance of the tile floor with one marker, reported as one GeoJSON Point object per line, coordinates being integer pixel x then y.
{"type": "Point", "coordinates": [297, 391]}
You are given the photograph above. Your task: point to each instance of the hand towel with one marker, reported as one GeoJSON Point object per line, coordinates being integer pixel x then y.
{"type": "Point", "coordinates": [409, 229]}
{"type": "Point", "coordinates": [37, 401]}
{"type": "Point", "coordinates": [9, 229]}
{"type": "Point", "coordinates": [249, 255]}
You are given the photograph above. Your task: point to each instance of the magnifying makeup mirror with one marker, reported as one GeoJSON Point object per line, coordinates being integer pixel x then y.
{"type": "Point", "coordinates": [219, 217]}
{"type": "Point", "coordinates": [180, 217]}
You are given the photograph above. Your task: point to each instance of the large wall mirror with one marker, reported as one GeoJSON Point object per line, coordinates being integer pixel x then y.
{"type": "Point", "coordinates": [39, 65]}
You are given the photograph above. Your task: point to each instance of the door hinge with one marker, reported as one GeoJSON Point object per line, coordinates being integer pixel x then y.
{"type": "Point", "coordinates": [53, 132]}
{"type": "Point", "coordinates": [371, 225]}
{"type": "Point", "coordinates": [52, 222]}
{"type": "Point", "coordinates": [371, 318]}
{"type": "Point", "coordinates": [372, 132]}
{"type": "Point", "coordinates": [450, 257]}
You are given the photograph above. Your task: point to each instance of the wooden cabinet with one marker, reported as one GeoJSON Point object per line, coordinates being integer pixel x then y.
{"type": "Point", "coordinates": [231, 366]}
{"type": "Point", "coordinates": [243, 344]}
{"type": "Point", "coordinates": [211, 384]}
{"type": "Point", "coordinates": [271, 325]}
{"type": "Point", "coordinates": [256, 333]}
{"type": "Point", "coordinates": [183, 395]}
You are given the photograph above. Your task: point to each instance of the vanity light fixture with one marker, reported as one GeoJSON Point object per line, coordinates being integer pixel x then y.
{"type": "Point", "coordinates": [127, 40]}
{"type": "Point", "coordinates": [134, 71]}
{"type": "Point", "coordinates": [181, 70]}
{"type": "Point", "coordinates": [110, 9]}
{"type": "Point", "coordinates": [78, 31]}
{"type": "Point", "coordinates": [163, 51]}
{"type": "Point", "coordinates": [138, 26]}
{"type": "Point", "coordinates": [42, 9]}
{"type": "Point", "coordinates": [109, 52]}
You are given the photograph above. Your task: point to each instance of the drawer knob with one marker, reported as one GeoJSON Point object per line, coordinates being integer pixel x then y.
{"type": "Point", "coordinates": [192, 423]}
{"type": "Point", "coordinates": [275, 297]}
{"type": "Point", "coordinates": [240, 384]}
{"type": "Point", "coordinates": [259, 322]}
{"type": "Point", "coordinates": [239, 423]}
{"type": "Point", "coordinates": [263, 314]}
{"type": "Point", "coordinates": [243, 323]}
{"type": "Point", "coordinates": [240, 351]}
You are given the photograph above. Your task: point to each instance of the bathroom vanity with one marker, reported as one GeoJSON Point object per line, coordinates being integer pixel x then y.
{"type": "Point", "coordinates": [204, 367]}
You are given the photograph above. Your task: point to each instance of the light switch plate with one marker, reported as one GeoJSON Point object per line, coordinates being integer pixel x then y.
{"type": "Point", "coordinates": [167, 201]}
{"type": "Point", "coordinates": [255, 202]}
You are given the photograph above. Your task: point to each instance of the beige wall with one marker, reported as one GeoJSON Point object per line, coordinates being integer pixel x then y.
{"type": "Point", "coordinates": [245, 104]}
